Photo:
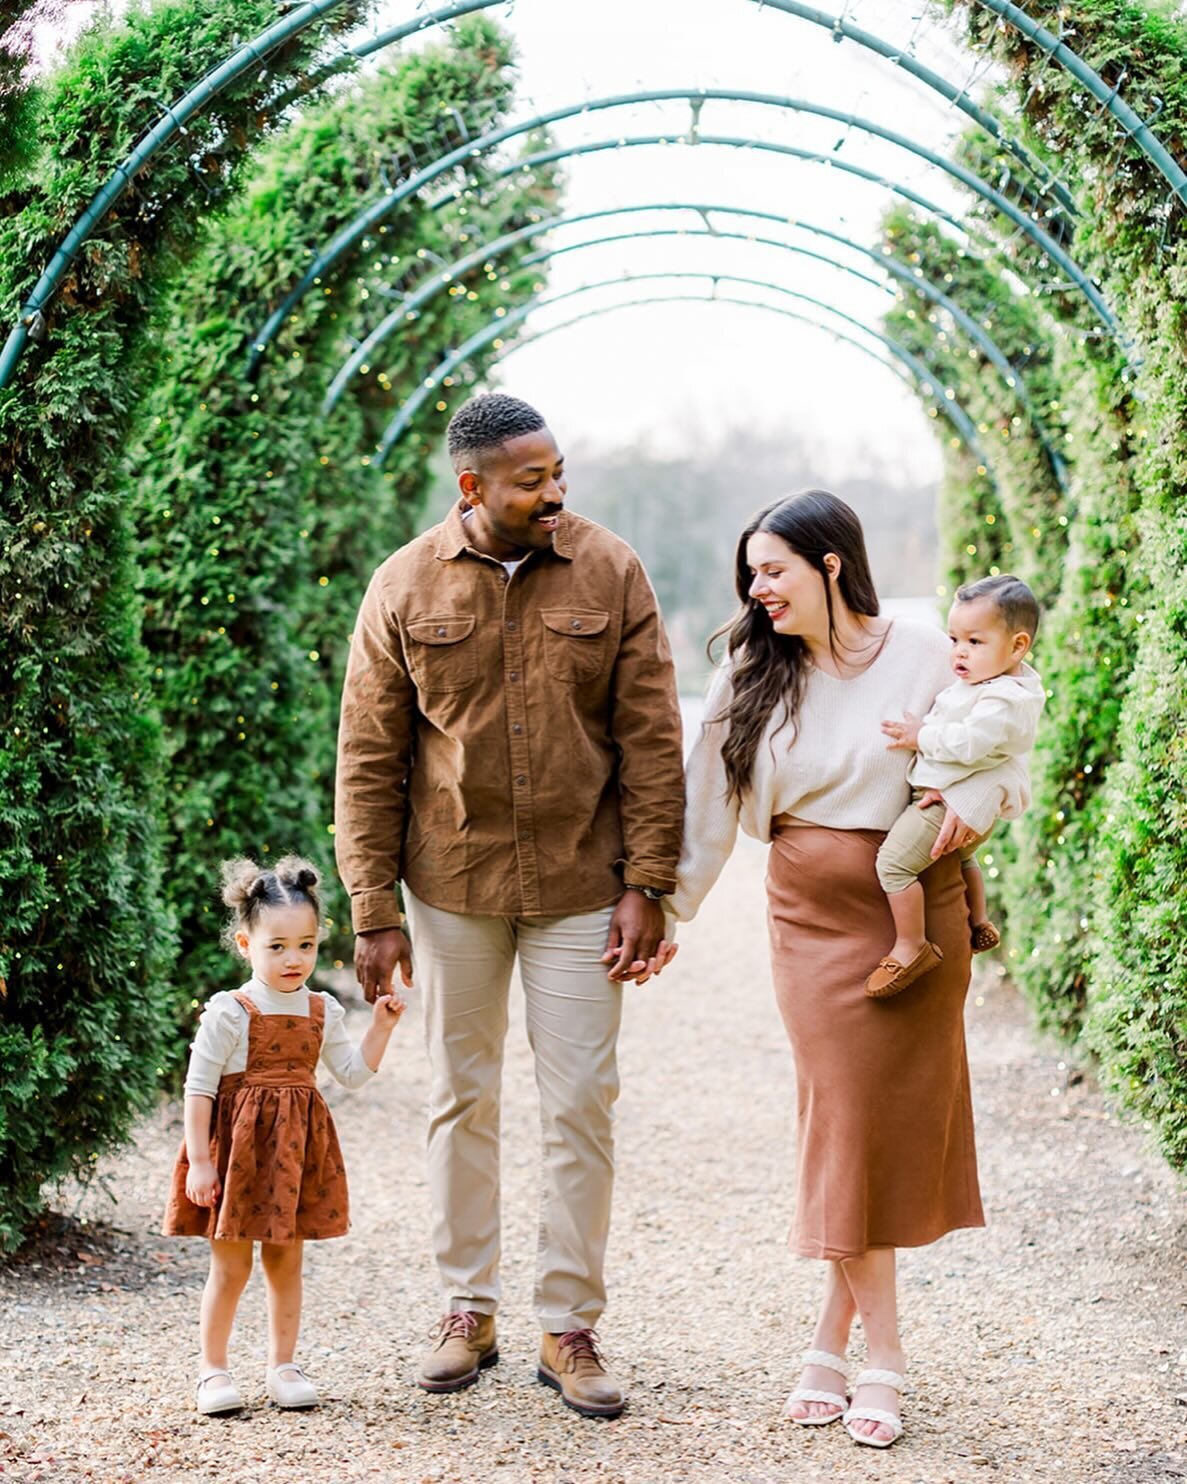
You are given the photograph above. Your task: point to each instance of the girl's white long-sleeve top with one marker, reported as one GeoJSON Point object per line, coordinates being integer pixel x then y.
{"type": "Point", "coordinates": [977, 737]}
{"type": "Point", "coordinates": [220, 1042]}
{"type": "Point", "coordinates": [835, 770]}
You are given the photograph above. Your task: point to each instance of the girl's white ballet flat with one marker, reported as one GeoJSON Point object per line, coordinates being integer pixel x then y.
{"type": "Point", "coordinates": [289, 1386]}
{"type": "Point", "coordinates": [217, 1392]}
{"type": "Point", "coordinates": [807, 1394]}
{"type": "Point", "coordinates": [875, 1414]}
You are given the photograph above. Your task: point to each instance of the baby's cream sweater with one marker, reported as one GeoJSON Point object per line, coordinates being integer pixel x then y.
{"type": "Point", "coordinates": [978, 737]}
{"type": "Point", "coordinates": [836, 770]}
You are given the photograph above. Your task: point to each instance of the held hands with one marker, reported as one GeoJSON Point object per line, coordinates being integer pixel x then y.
{"type": "Point", "coordinates": [385, 1012]}
{"type": "Point", "coordinates": [904, 734]}
{"type": "Point", "coordinates": [636, 948]}
{"type": "Point", "coordinates": [202, 1185]}
{"type": "Point", "coordinates": [954, 833]}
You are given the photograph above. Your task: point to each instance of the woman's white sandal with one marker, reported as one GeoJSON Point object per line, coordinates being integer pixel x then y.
{"type": "Point", "coordinates": [896, 1382]}
{"type": "Point", "coordinates": [217, 1393]}
{"type": "Point", "coordinates": [807, 1394]}
{"type": "Point", "coordinates": [290, 1390]}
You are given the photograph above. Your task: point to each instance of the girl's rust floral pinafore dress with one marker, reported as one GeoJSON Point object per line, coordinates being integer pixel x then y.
{"type": "Point", "coordinates": [272, 1142]}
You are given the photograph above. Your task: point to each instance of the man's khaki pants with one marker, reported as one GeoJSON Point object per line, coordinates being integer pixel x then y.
{"type": "Point", "coordinates": [463, 969]}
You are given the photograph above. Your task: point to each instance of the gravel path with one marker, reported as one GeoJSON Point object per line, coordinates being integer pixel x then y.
{"type": "Point", "coordinates": [1051, 1346]}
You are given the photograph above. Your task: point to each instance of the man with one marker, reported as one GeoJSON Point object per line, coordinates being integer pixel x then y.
{"type": "Point", "coordinates": [510, 754]}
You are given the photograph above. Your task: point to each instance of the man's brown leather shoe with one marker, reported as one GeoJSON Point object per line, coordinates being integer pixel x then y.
{"type": "Point", "coordinates": [463, 1345]}
{"type": "Point", "coordinates": [572, 1364]}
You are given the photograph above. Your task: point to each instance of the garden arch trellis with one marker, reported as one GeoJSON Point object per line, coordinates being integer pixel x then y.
{"type": "Point", "coordinates": [443, 277]}
{"type": "Point", "coordinates": [499, 327]}
{"type": "Point", "coordinates": [942, 407]}
{"type": "Point", "coordinates": [373, 214]}
{"type": "Point", "coordinates": [255, 51]}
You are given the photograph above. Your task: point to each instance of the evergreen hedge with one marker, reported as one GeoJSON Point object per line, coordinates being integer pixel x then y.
{"type": "Point", "coordinates": [84, 939]}
{"type": "Point", "coordinates": [1103, 946]}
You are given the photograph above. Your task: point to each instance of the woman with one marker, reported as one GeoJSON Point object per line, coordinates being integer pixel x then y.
{"type": "Point", "coordinates": [792, 750]}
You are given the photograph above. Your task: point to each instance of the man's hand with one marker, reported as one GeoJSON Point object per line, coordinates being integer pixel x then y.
{"type": "Point", "coordinates": [202, 1185]}
{"type": "Point", "coordinates": [636, 932]}
{"type": "Point", "coordinates": [904, 734]}
{"type": "Point", "coordinates": [954, 833]}
{"type": "Point", "coordinates": [375, 958]}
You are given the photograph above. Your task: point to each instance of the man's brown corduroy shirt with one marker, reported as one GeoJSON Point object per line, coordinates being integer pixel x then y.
{"type": "Point", "coordinates": [510, 744]}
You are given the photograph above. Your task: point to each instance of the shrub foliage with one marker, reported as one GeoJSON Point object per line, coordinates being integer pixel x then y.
{"type": "Point", "coordinates": [140, 474]}
{"type": "Point", "coordinates": [1097, 921]}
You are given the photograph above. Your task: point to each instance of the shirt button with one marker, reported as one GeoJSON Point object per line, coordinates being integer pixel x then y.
{"type": "Point", "coordinates": [516, 728]}
{"type": "Point", "coordinates": [576, 623]}
{"type": "Point", "coordinates": [441, 632]}
{"type": "Point", "coordinates": [514, 675]}
{"type": "Point", "coordinates": [521, 780]}
{"type": "Point", "coordinates": [512, 626]}
{"type": "Point", "coordinates": [525, 834]}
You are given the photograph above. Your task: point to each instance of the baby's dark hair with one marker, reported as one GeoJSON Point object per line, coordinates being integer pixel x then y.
{"type": "Point", "coordinates": [486, 422]}
{"type": "Point", "coordinates": [1010, 596]}
{"type": "Point", "coordinates": [248, 889]}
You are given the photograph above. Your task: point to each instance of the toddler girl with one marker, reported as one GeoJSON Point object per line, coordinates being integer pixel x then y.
{"type": "Point", "coordinates": [260, 1161]}
{"type": "Point", "coordinates": [971, 747]}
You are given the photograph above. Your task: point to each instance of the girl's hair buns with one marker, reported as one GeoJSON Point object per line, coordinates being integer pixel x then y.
{"type": "Point", "coordinates": [248, 888]}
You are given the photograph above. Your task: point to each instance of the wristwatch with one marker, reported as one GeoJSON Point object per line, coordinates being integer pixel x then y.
{"type": "Point", "coordinates": [652, 893]}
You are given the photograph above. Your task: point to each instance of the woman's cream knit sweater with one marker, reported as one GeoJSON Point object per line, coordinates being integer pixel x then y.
{"type": "Point", "coordinates": [835, 771]}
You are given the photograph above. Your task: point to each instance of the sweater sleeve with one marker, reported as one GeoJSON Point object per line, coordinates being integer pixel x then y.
{"type": "Point", "coordinates": [219, 1032]}
{"type": "Point", "coordinates": [994, 725]}
{"type": "Point", "coordinates": [711, 817]}
{"type": "Point", "coordinates": [340, 1054]}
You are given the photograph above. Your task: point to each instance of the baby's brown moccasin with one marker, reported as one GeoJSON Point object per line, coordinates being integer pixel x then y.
{"type": "Point", "coordinates": [890, 976]}
{"type": "Point", "coordinates": [984, 936]}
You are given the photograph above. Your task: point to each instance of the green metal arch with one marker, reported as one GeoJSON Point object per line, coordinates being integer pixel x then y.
{"type": "Point", "coordinates": [1013, 378]}
{"type": "Point", "coordinates": [951, 411]}
{"type": "Point", "coordinates": [843, 29]}
{"type": "Point", "coordinates": [729, 141]}
{"type": "Point", "coordinates": [377, 210]}
{"type": "Point", "coordinates": [409, 305]}
{"type": "Point", "coordinates": [840, 28]}
{"type": "Point", "coordinates": [1137, 129]}
{"type": "Point", "coordinates": [498, 327]}
{"type": "Point", "coordinates": [304, 15]}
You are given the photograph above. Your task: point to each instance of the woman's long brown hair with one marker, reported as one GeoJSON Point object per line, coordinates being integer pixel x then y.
{"type": "Point", "coordinates": [770, 668]}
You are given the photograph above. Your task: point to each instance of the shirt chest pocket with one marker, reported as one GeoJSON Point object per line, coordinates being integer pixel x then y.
{"type": "Point", "coordinates": [443, 653]}
{"type": "Point", "coordinates": [576, 642]}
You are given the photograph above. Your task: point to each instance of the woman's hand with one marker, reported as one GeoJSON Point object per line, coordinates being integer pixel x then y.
{"type": "Point", "coordinates": [954, 833]}
{"type": "Point", "coordinates": [904, 734]}
{"type": "Point", "coordinates": [202, 1185]}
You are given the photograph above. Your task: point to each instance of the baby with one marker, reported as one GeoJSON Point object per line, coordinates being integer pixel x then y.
{"type": "Point", "coordinates": [971, 747]}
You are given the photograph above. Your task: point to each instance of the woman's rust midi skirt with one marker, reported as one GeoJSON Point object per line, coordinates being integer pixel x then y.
{"type": "Point", "coordinates": [885, 1129]}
